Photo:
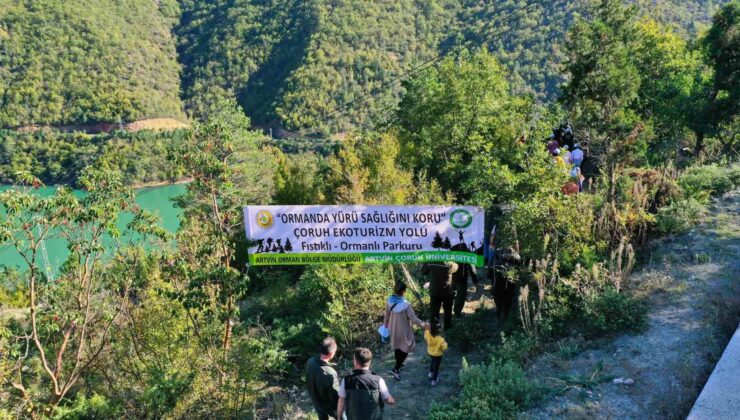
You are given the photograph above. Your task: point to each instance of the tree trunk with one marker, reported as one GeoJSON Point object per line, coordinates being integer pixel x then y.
{"type": "Point", "coordinates": [708, 118]}
{"type": "Point", "coordinates": [699, 146]}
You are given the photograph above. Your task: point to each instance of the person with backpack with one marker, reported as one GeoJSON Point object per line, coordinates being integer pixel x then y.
{"type": "Point", "coordinates": [441, 293]}
{"type": "Point", "coordinates": [436, 346]}
{"type": "Point", "coordinates": [399, 317]}
{"type": "Point", "coordinates": [576, 156]}
{"type": "Point", "coordinates": [322, 380]}
{"type": "Point", "coordinates": [363, 394]}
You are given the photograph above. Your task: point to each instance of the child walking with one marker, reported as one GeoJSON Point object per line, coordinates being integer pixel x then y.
{"type": "Point", "coordinates": [436, 346]}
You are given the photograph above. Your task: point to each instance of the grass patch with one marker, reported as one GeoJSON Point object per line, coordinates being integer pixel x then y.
{"type": "Point", "coordinates": [611, 312]}
{"type": "Point", "coordinates": [567, 382]}
{"type": "Point", "coordinates": [496, 390]}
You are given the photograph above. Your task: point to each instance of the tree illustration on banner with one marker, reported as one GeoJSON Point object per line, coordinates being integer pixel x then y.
{"type": "Point", "coordinates": [447, 244]}
{"type": "Point", "coordinates": [437, 242]}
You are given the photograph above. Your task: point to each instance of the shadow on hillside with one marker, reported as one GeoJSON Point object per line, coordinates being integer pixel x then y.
{"type": "Point", "coordinates": [266, 85]}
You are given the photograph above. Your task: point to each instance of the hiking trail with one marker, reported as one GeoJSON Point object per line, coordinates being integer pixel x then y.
{"type": "Point", "coordinates": [690, 282]}
{"type": "Point", "coordinates": [683, 280]}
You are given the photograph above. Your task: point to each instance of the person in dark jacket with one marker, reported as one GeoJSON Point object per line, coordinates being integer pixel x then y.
{"type": "Point", "coordinates": [504, 290]}
{"type": "Point", "coordinates": [363, 394]}
{"type": "Point", "coordinates": [460, 284]}
{"type": "Point", "coordinates": [460, 281]}
{"type": "Point", "coordinates": [441, 293]}
{"type": "Point", "coordinates": [322, 380]}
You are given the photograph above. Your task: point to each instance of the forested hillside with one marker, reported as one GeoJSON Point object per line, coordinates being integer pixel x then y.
{"type": "Point", "coordinates": [77, 61]}
{"type": "Point", "coordinates": [320, 64]}
{"type": "Point", "coordinates": [315, 66]}
{"type": "Point", "coordinates": [295, 62]}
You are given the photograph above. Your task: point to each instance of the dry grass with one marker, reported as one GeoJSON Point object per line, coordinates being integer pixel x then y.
{"type": "Point", "coordinates": [155, 124]}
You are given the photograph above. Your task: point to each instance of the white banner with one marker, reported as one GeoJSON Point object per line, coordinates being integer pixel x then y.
{"type": "Point", "coordinates": [298, 235]}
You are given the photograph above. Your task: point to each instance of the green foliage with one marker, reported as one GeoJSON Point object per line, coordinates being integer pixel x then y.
{"type": "Point", "coordinates": [296, 180]}
{"type": "Point", "coordinates": [289, 63]}
{"type": "Point", "coordinates": [467, 333]}
{"type": "Point", "coordinates": [679, 216]}
{"type": "Point", "coordinates": [563, 305]}
{"type": "Point", "coordinates": [610, 312]}
{"type": "Point", "coordinates": [516, 347]}
{"type": "Point", "coordinates": [701, 182]}
{"type": "Point", "coordinates": [367, 170]}
{"type": "Point", "coordinates": [604, 79]}
{"type": "Point", "coordinates": [672, 88]}
{"type": "Point", "coordinates": [497, 390]}
{"type": "Point", "coordinates": [722, 44]}
{"type": "Point", "coordinates": [532, 45]}
{"type": "Point", "coordinates": [458, 119]}
{"type": "Point", "coordinates": [76, 62]}
{"type": "Point", "coordinates": [550, 224]}
{"type": "Point", "coordinates": [95, 407]}
{"type": "Point", "coordinates": [348, 300]}
{"type": "Point", "coordinates": [70, 319]}
{"type": "Point", "coordinates": [13, 289]}
{"type": "Point", "coordinates": [59, 158]}
{"type": "Point", "coordinates": [298, 61]}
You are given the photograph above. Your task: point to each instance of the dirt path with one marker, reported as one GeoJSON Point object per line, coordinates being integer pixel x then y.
{"type": "Point", "coordinates": [414, 395]}
{"type": "Point", "coordinates": [690, 283]}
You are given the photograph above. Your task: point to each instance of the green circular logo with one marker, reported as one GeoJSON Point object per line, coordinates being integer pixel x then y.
{"type": "Point", "coordinates": [461, 218]}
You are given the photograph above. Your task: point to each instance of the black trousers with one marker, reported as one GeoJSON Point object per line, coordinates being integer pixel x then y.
{"type": "Point", "coordinates": [461, 294]}
{"type": "Point", "coordinates": [434, 368]}
{"type": "Point", "coordinates": [400, 358]}
{"type": "Point", "coordinates": [444, 302]}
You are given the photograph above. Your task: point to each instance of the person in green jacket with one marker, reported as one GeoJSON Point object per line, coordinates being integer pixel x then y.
{"type": "Point", "coordinates": [363, 394]}
{"type": "Point", "coordinates": [322, 380]}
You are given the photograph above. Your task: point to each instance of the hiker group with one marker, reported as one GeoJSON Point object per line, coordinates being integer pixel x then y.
{"type": "Point", "coordinates": [363, 394]}
{"type": "Point", "coordinates": [568, 155]}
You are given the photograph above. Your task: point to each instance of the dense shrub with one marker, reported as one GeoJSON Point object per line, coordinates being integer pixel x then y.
{"type": "Point", "coordinates": [517, 348]}
{"type": "Point", "coordinates": [611, 312]}
{"type": "Point", "coordinates": [700, 182]}
{"type": "Point", "coordinates": [95, 407]}
{"type": "Point", "coordinates": [348, 300]}
{"type": "Point", "coordinates": [679, 216]}
{"type": "Point", "coordinates": [496, 390]}
{"type": "Point", "coordinates": [467, 333]}
{"type": "Point", "coordinates": [563, 305]}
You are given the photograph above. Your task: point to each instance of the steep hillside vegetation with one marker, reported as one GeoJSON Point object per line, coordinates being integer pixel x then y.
{"type": "Point", "coordinates": [76, 61]}
{"type": "Point", "coordinates": [531, 44]}
{"type": "Point", "coordinates": [295, 63]}
{"type": "Point", "coordinates": [315, 65]}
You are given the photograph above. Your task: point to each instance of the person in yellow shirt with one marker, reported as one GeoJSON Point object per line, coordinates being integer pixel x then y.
{"type": "Point", "coordinates": [436, 346]}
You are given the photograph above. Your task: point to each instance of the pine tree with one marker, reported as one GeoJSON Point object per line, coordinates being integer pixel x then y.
{"type": "Point", "coordinates": [447, 243]}
{"type": "Point", "coordinates": [437, 243]}
{"type": "Point", "coordinates": [288, 246]}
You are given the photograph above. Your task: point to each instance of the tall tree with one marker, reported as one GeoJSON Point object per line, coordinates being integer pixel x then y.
{"type": "Point", "coordinates": [229, 170]}
{"type": "Point", "coordinates": [457, 113]}
{"type": "Point", "coordinates": [604, 82]}
{"type": "Point", "coordinates": [722, 47]}
{"type": "Point", "coordinates": [71, 316]}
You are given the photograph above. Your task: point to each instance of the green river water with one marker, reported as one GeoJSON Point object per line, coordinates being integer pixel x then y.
{"type": "Point", "coordinates": [157, 200]}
